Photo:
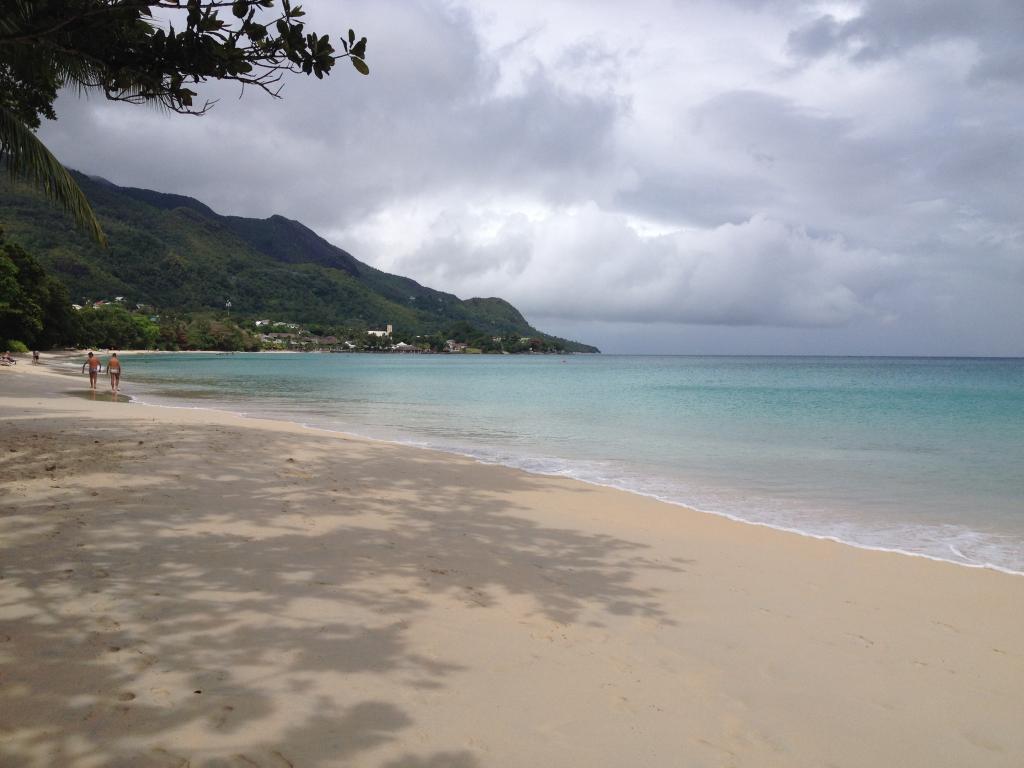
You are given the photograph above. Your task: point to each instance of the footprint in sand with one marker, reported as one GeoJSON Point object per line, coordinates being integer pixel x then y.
{"type": "Point", "coordinates": [272, 760]}
{"type": "Point", "coordinates": [145, 660]}
{"type": "Point", "coordinates": [864, 641]}
{"type": "Point", "coordinates": [222, 717]}
{"type": "Point", "coordinates": [161, 758]}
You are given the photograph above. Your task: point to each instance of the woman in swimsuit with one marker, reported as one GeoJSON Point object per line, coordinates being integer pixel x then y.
{"type": "Point", "coordinates": [114, 369]}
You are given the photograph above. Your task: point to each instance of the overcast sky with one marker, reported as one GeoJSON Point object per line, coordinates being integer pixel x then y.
{"type": "Point", "coordinates": [735, 176]}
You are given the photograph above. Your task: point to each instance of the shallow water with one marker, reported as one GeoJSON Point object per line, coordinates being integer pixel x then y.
{"type": "Point", "coordinates": [918, 455]}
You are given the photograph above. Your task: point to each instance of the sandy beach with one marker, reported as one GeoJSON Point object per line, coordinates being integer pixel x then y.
{"type": "Point", "coordinates": [190, 588]}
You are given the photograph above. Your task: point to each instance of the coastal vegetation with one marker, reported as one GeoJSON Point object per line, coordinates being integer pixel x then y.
{"type": "Point", "coordinates": [174, 258]}
{"type": "Point", "coordinates": [35, 310]}
{"type": "Point", "coordinates": [141, 52]}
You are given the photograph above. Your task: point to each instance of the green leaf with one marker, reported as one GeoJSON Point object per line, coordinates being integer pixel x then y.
{"type": "Point", "coordinates": [28, 158]}
{"type": "Point", "coordinates": [255, 31]}
{"type": "Point", "coordinates": [351, 37]}
{"type": "Point", "coordinates": [359, 49]}
{"type": "Point", "coordinates": [360, 65]}
{"type": "Point", "coordinates": [240, 9]}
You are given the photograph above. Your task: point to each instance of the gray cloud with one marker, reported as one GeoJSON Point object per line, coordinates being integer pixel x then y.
{"type": "Point", "coordinates": [892, 28]}
{"type": "Point", "coordinates": [759, 272]}
{"type": "Point", "coordinates": [428, 117]}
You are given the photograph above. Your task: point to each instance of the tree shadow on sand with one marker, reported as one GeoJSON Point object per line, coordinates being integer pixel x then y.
{"type": "Point", "coordinates": [269, 625]}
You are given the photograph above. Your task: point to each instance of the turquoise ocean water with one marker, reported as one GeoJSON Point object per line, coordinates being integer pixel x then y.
{"type": "Point", "coordinates": [922, 455]}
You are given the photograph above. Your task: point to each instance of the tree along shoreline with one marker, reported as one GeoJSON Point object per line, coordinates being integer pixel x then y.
{"type": "Point", "coordinates": [36, 312]}
{"type": "Point", "coordinates": [114, 326]}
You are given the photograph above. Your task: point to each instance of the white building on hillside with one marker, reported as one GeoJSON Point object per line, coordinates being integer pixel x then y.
{"type": "Point", "coordinates": [381, 334]}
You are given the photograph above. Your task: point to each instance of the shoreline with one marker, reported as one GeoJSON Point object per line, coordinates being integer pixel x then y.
{"type": "Point", "coordinates": [682, 504]}
{"type": "Point", "coordinates": [190, 585]}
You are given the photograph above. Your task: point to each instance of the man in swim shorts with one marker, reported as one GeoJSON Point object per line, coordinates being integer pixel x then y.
{"type": "Point", "coordinates": [94, 368]}
{"type": "Point", "coordinates": [114, 369]}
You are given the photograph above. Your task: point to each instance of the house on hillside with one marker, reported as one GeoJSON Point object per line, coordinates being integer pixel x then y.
{"type": "Point", "coordinates": [280, 339]}
{"type": "Point", "coordinates": [454, 346]}
{"type": "Point", "coordinates": [386, 333]}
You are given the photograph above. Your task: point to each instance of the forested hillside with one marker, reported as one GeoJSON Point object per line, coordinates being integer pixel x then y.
{"type": "Point", "coordinates": [175, 254]}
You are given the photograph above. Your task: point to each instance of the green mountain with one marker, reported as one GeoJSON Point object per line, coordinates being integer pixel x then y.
{"type": "Point", "coordinates": [176, 254]}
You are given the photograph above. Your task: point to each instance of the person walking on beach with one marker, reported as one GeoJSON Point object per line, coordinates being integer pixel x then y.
{"type": "Point", "coordinates": [94, 369]}
{"type": "Point", "coordinates": [35, 357]}
{"type": "Point", "coordinates": [114, 369]}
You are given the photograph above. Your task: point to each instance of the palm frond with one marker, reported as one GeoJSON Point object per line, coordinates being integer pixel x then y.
{"type": "Point", "coordinates": [28, 158]}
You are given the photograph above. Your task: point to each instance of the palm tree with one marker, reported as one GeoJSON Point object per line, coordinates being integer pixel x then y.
{"type": "Point", "coordinates": [32, 75]}
{"type": "Point", "coordinates": [28, 158]}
